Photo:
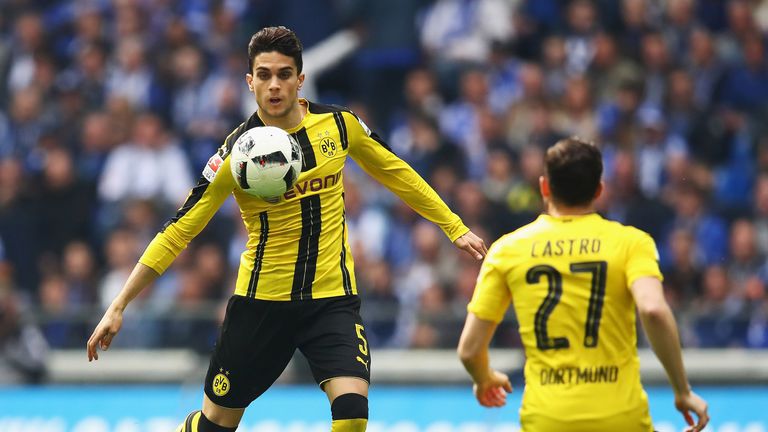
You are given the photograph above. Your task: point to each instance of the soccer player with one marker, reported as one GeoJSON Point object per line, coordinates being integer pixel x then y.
{"type": "Point", "coordinates": [575, 279]}
{"type": "Point", "coordinates": [296, 283]}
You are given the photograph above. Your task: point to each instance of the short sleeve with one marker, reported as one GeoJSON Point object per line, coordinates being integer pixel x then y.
{"type": "Point", "coordinates": [492, 295]}
{"type": "Point", "coordinates": [642, 259]}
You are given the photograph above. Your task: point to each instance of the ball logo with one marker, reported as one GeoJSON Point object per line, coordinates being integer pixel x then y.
{"type": "Point", "coordinates": [328, 147]}
{"type": "Point", "coordinates": [220, 385]}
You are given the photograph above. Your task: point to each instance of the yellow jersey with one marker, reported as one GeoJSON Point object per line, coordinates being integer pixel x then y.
{"type": "Point", "coordinates": [568, 279]}
{"type": "Point", "coordinates": [297, 249]}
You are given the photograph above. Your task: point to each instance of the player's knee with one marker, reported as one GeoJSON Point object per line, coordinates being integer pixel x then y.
{"type": "Point", "coordinates": [350, 406]}
{"type": "Point", "coordinates": [197, 422]}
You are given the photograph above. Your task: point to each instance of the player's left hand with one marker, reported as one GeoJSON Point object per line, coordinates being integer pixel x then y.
{"type": "Point", "coordinates": [493, 391]}
{"type": "Point", "coordinates": [472, 244]}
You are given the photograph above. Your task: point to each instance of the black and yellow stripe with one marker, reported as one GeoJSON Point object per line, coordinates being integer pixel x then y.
{"type": "Point", "coordinates": [308, 153]}
{"type": "Point", "coordinates": [339, 119]}
{"type": "Point", "coordinates": [345, 277]}
{"type": "Point", "coordinates": [306, 261]}
{"type": "Point", "coordinates": [263, 235]}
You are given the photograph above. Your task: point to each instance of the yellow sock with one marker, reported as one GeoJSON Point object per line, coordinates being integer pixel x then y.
{"type": "Point", "coordinates": [349, 425]}
{"type": "Point", "coordinates": [192, 421]}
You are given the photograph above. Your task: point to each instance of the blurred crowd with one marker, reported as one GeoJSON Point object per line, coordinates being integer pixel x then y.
{"type": "Point", "coordinates": [110, 108]}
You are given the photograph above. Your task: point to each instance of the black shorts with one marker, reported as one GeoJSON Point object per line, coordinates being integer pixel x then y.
{"type": "Point", "coordinates": [258, 339]}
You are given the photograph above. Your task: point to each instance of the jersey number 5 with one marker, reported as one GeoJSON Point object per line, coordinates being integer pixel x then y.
{"type": "Point", "coordinates": [598, 271]}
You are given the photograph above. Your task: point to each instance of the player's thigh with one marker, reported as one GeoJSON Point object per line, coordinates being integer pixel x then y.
{"type": "Point", "coordinates": [254, 347]}
{"type": "Point", "coordinates": [332, 338]}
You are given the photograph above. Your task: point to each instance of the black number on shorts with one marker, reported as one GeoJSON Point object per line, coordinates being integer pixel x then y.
{"type": "Point", "coordinates": [598, 270]}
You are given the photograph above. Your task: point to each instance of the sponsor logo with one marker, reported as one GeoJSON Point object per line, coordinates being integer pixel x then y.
{"type": "Point", "coordinates": [313, 185]}
{"type": "Point", "coordinates": [212, 167]}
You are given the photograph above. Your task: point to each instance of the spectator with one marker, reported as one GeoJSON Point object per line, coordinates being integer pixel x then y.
{"type": "Point", "coordinates": [745, 263]}
{"type": "Point", "coordinates": [746, 85]}
{"type": "Point", "coordinates": [60, 189]}
{"type": "Point", "coordinates": [151, 165]}
{"type": "Point", "coordinates": [18, 226]}
{"type": "Point", "coordinates": [23, 350]}
{"type": "Point", "coordinates": [576, 115]}
{"type": "Point", "coordinates": [459, 121]}
{"type": "Point", "coordinates": [609, 69]}
{"type": "Point", "coordinates": [705, 67]}
{"type": "Point", "coordinates": [381, 306]}
{"type": "Point", "coordinates": [709, 230]}
{"type": "Point", "coordinates": [132, 78]}
{"type": "Point", "coordinates": [760, 213]}
{"type": "Point", "coordinates": [682, 278]}
{"type": "Point", "coordinates": [680, 16]}
{"type": "Point", "coordinates": [718, 320]}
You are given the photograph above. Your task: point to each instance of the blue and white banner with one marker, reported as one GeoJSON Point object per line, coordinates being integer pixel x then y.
{"type": "Point", "coordinates": [305, 409]}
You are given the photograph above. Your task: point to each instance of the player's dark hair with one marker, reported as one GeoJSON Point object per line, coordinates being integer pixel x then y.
{"type": "Point", "coordinates": [280, 39]}
{"type": "Point", "coordinates": [574, 167]}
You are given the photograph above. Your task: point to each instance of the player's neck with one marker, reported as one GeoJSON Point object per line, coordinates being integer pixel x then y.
{"type": "Point", "coordinates": [290, 120]}
{"type": "Point", "coordinates": [556, 210]}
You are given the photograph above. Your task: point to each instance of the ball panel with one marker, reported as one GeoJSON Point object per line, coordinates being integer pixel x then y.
{"type": "Point", "coordinates": [266, 162]}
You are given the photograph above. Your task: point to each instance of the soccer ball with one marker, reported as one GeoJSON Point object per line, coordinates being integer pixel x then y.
{"type": "Point", "coordinates": [266, 162]}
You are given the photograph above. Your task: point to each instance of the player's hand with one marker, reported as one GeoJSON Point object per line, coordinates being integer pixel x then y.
{"type": "Point", "coordinates": [685, 403]}
{"type": "Point", "coordinates": [493, 391]}
{"type": "Point", "coordinates": [107, 329]}
{"type": "Point", "coordinates": [472, 244]}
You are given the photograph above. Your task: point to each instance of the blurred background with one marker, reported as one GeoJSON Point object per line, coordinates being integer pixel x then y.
{"type": "Point", "coordinates": [109, 110]}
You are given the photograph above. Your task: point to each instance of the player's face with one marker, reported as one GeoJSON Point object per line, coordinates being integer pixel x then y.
{"type": "Point", "coordinates": [275, 82]}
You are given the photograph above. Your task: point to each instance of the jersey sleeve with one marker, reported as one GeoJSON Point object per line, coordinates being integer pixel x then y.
{"type": "Point", "coordinates": [642, 259]}
{"type": "Point", "coordinates": [213, 187]}
{"type": "Point", "coordinates": [376, 158]}
{"type": "Point", "coordinates": [492, 295]}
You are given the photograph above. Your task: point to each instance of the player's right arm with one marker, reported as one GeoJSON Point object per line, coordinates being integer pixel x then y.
{"type": "Point", "coordinates": [110, 323]}
{"type": "Point", "coordinates": [214, 186]}
{"type": "Point", "coordinates": [659, 324]}
{"type": "Point", "coordinates": [490, 301]}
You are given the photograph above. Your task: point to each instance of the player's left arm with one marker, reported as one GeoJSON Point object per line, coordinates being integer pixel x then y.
{"type": "Point", "coordinates": [490, 301]}
{"type": "Point", "coordinates": [377, 159]}
{"type": "Point", "coordinates": [490, 386]}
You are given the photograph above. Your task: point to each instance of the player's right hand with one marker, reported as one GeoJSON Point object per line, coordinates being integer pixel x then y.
{"type": "Point", "coordinates": [692, 402]}
{"type": "Point", "coordinates": [493, 391]}
{"type": "Point", "coordinates": [107, 329]}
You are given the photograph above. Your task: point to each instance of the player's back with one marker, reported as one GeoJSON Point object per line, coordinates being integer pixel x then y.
{"type": "Point", "coordinates": [569, 280]}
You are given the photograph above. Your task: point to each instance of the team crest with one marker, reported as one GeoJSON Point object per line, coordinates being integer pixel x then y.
{"type": "Point", "coordinates": [220, 384]}
{"type": "Point", "coordinates": [328, 147]}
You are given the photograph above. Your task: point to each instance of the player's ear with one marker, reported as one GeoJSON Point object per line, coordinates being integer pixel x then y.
{"type": "Point", "coordinates": [599, 190]}
{"type": "Point", "coordinates": [301, 80]}
{"type": "Point", "coordinates": [544, 187]}
{"type": "Point", "coordinates": [249, 80]}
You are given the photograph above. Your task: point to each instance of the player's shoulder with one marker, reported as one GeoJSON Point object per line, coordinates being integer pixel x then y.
{"type": "Point", "coordinates": [510, 241]}
{"type": "Point", "coordinates": [320, 108]}
{"type": "Point", "coordinates": [229, 142]}
{"type": "Point", "coordinates": [342, 115]}
{"type": "Point", "coordinates": [627, 232]}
